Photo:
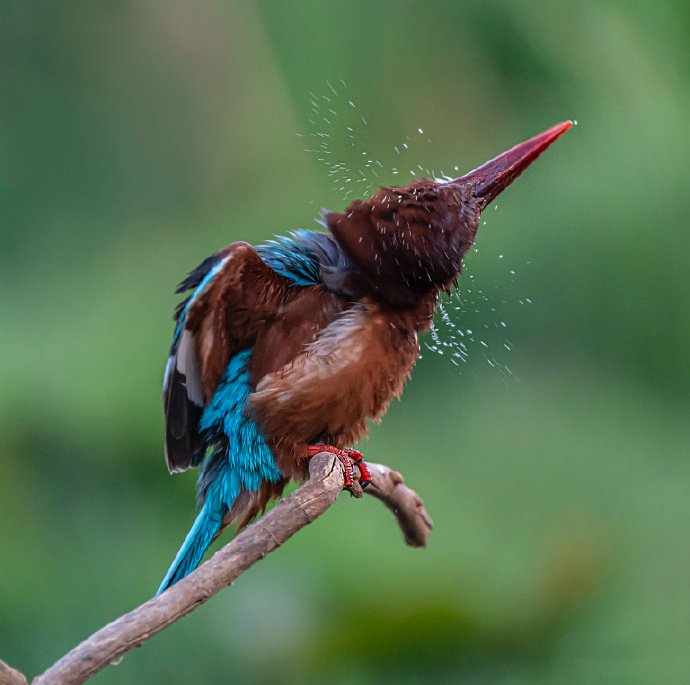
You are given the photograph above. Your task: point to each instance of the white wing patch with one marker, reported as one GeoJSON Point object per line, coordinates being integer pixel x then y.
{"type": "Point", "coordinates": [188, 364]}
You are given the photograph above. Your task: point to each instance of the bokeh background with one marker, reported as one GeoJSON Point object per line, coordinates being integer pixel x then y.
{"type": "Point", "coordinates": [139, 136]}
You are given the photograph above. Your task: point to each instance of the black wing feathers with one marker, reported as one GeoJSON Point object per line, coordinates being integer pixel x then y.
{"type": "Point", "coordinates": [184, 444]}
{"type": "Point", "coordinates": [196, 275]}
{"type": "Point", "coordinates": [182, 398]}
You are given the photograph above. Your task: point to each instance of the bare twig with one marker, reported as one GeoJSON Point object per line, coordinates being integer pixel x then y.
{"type": "Point", "coordinates": [9, 676]}
{"type": "Point", "coordinates": [288, 516]}
{"type": "Point", "coordinates": [389, 486]}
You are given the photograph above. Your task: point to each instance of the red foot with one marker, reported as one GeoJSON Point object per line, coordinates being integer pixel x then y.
{"type": "Point", "coordinates": [348, 458]}
{"type": "Point", "coordinates": [364, 475]}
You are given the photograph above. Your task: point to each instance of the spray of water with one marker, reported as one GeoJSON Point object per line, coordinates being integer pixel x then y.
{"type": "Point", "coordinates": [336, 134]}
{"type": "Point", "coordinates": [472, 322]}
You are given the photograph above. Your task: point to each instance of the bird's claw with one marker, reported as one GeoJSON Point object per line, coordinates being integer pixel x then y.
{"type": "Point", "coordinates": [349, 458]}
{"type": "Point", "coordinates": [364, 475]}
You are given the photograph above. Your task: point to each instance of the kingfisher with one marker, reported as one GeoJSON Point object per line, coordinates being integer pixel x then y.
{"type": "Point", "coordinates": [286, 349]}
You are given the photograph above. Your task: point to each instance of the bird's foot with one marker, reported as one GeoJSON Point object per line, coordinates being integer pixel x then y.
{"type": "Point", "coordinates": [364, 475]}
{"type": "Point", "coordinates": [349, 459]}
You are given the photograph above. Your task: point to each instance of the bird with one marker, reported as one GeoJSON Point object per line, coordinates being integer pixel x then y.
{"type": "Point", "coordinates": [288, 348]}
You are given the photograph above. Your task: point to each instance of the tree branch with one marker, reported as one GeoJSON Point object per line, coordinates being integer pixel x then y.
{"type": "Point", "coordinates": [289, 516]}
{"type": "Point", "coordinates": [389, 487]}
{"type": "Point", "coordinates": [9, 676]}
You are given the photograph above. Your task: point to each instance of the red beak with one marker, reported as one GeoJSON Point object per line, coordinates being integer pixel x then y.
{"type": "Point", "coordinates": [496, 175]}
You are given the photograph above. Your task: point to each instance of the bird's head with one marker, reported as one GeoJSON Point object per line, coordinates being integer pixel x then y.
{"type": "Point", "coordinates": [407, 241]}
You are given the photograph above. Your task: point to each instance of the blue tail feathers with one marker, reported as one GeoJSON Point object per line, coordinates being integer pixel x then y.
{"type": "Point", "coordinates": [240, 460]}
{"type": "Point", "coordinates": [198, 539]}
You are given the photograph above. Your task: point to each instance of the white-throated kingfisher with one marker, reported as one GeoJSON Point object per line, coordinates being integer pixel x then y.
{"type": "Point", "coordinates": [286, 349]}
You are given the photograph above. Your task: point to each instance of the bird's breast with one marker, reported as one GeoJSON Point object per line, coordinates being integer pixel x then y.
{"type": "Point", "coordinates": [347, 374]}
{"type": "Point", "coordinates": [291, 327]}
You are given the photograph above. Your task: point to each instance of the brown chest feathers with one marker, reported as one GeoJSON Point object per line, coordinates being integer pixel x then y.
{"type": "Point", "coordinates": [346, 373]}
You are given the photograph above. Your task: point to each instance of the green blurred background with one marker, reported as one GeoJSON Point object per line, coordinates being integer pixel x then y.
{"type": "Point", "coordinates": [139, 136]}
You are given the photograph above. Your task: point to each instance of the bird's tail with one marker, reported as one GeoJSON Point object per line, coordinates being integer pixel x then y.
{"type": "Point", "coordinates": [205, 527]}
{"type": "Point", "coordinates": [239, 475]}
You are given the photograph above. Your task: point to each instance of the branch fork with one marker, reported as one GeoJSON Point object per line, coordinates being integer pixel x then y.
{"type": "Point", "coordinates": [290, 515]}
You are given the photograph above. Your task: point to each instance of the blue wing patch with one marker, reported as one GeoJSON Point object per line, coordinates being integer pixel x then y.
{"type": "Point", "coordinates": [302, 256]}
